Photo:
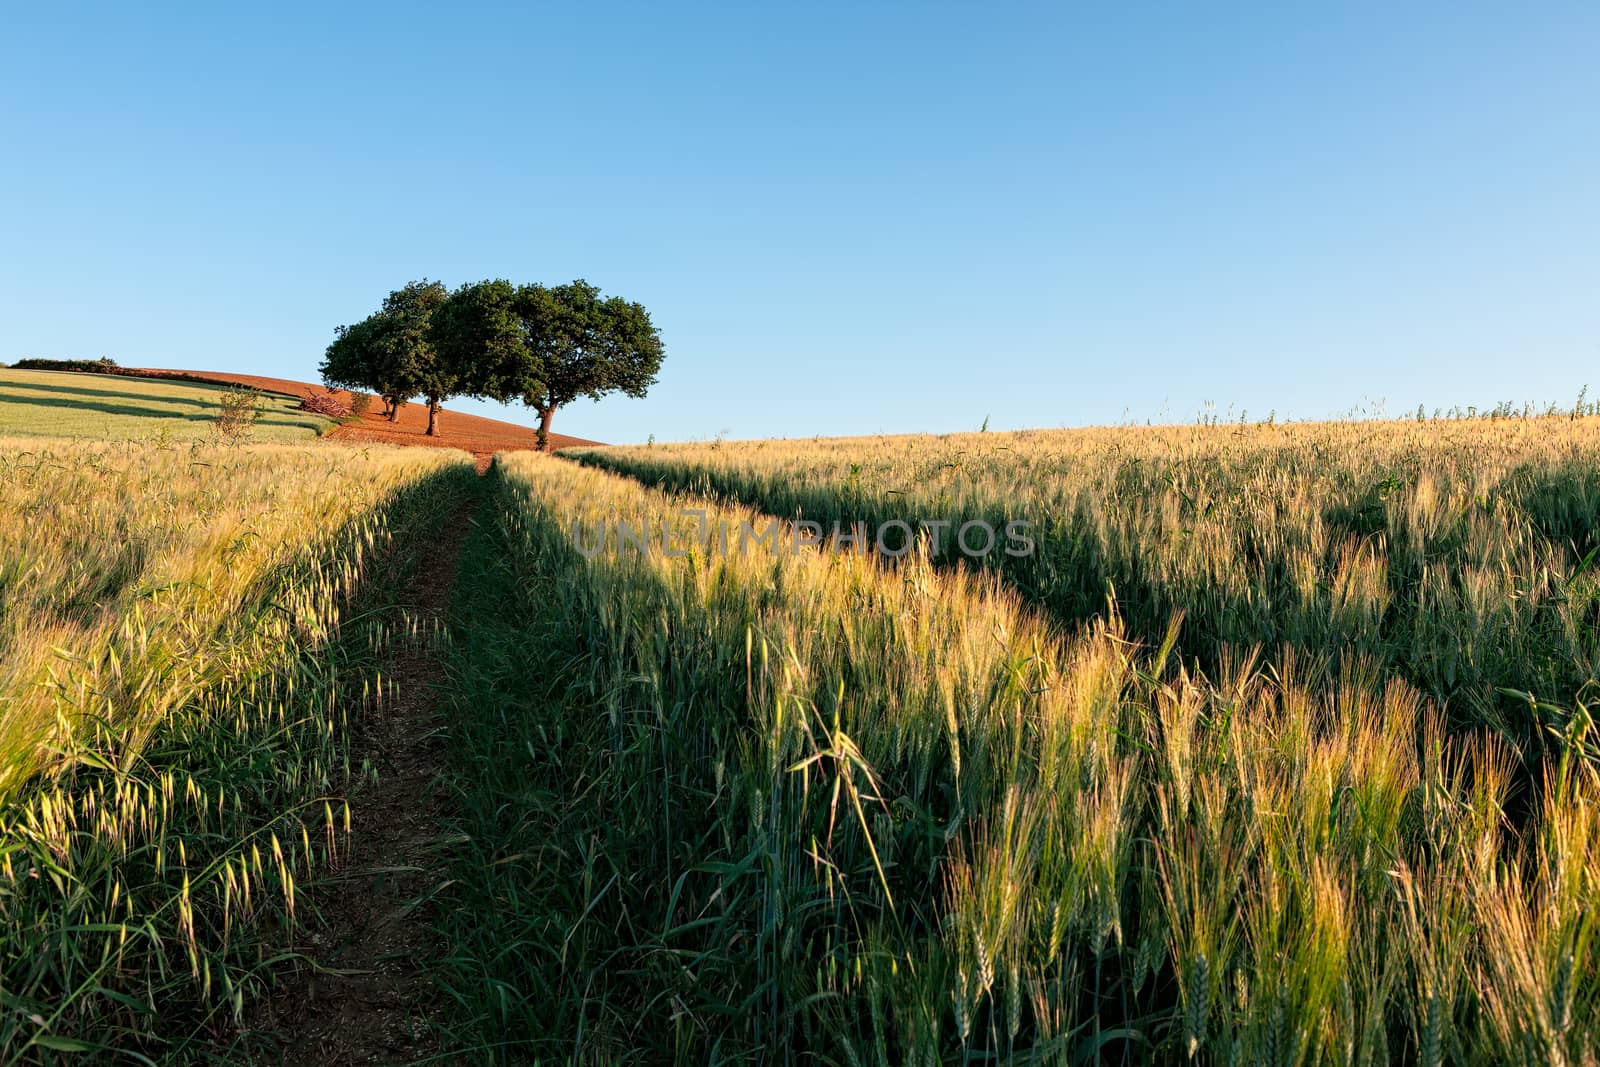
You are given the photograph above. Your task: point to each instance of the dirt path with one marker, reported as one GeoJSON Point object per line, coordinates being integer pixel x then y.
{"type": "Point", "coordinates": [370, 1000]}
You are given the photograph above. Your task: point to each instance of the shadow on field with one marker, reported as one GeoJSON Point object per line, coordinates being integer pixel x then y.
{"type": "Point", "coordinates": [204, 414]}
{"type": "Point", "coordinates": [607, 865]}
{"type": "Point", "coordinates": [109, 394]}
{"type": "Point", "coordinates": [1076, 569]}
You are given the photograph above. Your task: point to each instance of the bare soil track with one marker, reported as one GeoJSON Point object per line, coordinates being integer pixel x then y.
{"type": "Point", "coordinates": [472, 433]}
{"type": "Point", "coordinates": [368, 999]}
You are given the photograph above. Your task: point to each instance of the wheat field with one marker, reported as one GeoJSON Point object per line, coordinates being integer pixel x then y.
{"type": "Point", "coordinates": [176, 681]}
{"type": "Point", "coordinates": [1276, 748]}
{"type": "Point", "coordinates": [1279, 751]}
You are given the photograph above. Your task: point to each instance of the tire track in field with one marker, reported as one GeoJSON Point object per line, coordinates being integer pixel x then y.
{"type": "Point", "coordinates": [370, 997]}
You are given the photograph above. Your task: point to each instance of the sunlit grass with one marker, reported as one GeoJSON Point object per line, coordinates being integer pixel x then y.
{"type": "Point", "coordinates": [111, 407]}
{"type": "Point", "coordinates": [178, 684]}
{"type": "Point", "coordinates": [1457, 554]}
{"type": "Point", "coordinates": [788, 807]}
{"type": "Point", "coordinates": [1280, 750]}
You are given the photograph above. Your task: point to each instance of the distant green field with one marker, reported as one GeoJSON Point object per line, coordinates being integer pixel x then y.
{"type": "Point", "coordinates": [59, 404]}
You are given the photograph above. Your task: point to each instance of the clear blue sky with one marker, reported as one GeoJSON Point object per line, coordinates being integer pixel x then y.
{"type": "Point", "coordinates": [844, 218]}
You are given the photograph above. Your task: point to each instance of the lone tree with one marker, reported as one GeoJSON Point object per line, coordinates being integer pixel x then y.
{"type": "Point", "coordinates": [391, 353]}
{"type": "Point", "coordinates": [547, 346]}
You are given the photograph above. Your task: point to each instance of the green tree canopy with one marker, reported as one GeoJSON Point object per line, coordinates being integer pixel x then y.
{"type": "Point", "coordinates": [478, 335]}
{"type": "Point", "coordinates": [544, 346]}
{"type": "Point", "coordinates": [358, 360]}
{"type": "Point", "coordinates": [391, 352]}
{"type": "Point", "coordinates": [548, 346]}
{"type": "Point", "coordinates": [407, 315]}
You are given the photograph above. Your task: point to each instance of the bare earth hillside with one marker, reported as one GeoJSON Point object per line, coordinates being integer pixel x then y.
{"type": "Point", "coordinates": [473, 433]}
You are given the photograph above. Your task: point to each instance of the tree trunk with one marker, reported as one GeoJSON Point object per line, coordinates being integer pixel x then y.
{"type": "Point", "coordinates": [546, 415]}
{"type": "Point", "coordinates": [433, 416]}
{"type": "Point", "coordinates": [394, 407]}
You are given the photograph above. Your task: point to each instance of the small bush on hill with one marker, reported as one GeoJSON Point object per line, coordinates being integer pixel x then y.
{"type": "Point", "coordinates": [240, 409]}
{"type": "Point", "coordinates": [360, 403]}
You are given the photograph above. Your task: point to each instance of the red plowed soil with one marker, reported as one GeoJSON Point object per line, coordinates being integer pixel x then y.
{"type": "Point", "coordinates": [473, 433]}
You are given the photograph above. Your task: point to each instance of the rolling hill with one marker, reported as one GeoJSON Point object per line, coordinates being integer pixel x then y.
{"type": "Point", "coordinates": [183, 403]}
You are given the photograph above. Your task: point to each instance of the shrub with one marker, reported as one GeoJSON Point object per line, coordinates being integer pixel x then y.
{"type": "Point", "coordinates": [360, 403]}
{"type": "Point", "coordinates": [103, 365]}
{"type": "Point", "coordinates": [240, 409]}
